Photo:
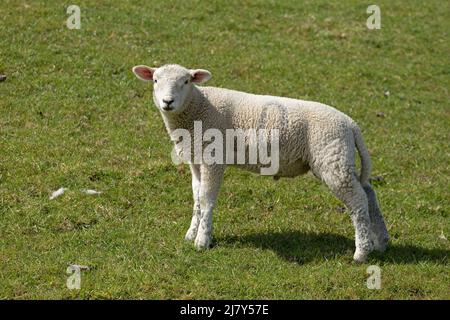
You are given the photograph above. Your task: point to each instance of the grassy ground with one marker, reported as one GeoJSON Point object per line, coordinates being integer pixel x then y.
{"type": "Point", "coordinates": [73, 115]}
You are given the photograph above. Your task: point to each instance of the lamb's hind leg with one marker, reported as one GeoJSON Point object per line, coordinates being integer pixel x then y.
{"type": "Point", "coordinates": [348, 189]}
{"type": "Point", "coordinates": [380, 234]}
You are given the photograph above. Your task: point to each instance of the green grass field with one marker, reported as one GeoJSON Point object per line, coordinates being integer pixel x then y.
{"type": "Point", "coordinates": [73, 115]}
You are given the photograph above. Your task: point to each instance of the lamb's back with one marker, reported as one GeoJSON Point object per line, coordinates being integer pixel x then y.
{"type": "Point", "coordinates": [251, 111]}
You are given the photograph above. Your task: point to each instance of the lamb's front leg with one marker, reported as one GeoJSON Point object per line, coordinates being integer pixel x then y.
{"type": "Point", "coordinates": [210, 180]}
{"type": "Point", "coordinates": [192, 232]}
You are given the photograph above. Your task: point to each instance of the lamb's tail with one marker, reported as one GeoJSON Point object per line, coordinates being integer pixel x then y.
{"type": "Point", "coordinates": [366, 165]}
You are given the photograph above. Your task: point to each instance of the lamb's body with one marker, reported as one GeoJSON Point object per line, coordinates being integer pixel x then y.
{"type": "Point", "coordinates": [304, 143]}
{"type": "Point", "coordinates": [312, 136]}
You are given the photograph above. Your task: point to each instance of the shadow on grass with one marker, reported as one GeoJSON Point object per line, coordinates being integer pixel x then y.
{"type": "Point", "coordinates": [302, 247]}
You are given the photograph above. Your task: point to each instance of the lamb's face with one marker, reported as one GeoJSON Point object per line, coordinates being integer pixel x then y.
{"type": "Point", "coordinates": [172, 84]}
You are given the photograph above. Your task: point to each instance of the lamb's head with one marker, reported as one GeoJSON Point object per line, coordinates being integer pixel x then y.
{"type": "Point", "coordinates": [172, 84]}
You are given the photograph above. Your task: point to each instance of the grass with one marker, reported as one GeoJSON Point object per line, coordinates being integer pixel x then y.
{"type": "Point", "coordinates": [73, 115]}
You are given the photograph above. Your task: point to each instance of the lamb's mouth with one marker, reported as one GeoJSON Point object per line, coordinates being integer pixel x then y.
{"type": "Point", "coordinates": [167, 108]}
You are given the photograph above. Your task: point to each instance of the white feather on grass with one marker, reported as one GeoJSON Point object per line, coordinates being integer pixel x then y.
{"type": "Point", "coordinates": [91, 191]}
{"type": "Point", "coordinates": [57, 193]}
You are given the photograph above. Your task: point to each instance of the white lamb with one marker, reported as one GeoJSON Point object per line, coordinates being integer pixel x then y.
{"type": "Point", "coordinates": [312, 136]}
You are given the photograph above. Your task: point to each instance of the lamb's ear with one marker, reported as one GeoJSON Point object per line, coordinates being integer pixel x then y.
{"type": "Point", "coordinates": [200, 75]}
{"type": "Point", "coordinates": [144, 73]}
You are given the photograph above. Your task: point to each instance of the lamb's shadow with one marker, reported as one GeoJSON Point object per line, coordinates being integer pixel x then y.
{"type": "Point", "coordinates": [302, 247]}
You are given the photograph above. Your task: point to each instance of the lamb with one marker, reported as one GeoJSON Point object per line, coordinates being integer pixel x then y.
{"type": "Point", "coordinates": [312, 137]}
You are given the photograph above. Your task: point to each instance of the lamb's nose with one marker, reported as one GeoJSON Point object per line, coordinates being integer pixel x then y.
{"type": "Point", "coordinates": [168, 102]}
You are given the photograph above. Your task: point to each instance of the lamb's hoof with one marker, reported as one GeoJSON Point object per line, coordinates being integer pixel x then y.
{"type": "Point", "coordinates": [360, 256]}
{"type": "Point", "coordinates": [190, 235]}
{"type": "Point", "coordinates": [202, 242]}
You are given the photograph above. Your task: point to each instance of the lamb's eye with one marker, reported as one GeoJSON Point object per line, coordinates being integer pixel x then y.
{"type": "Point", "coordinates": [186, 82]}
{"type": "Point", "coordinates": [155, 81]}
